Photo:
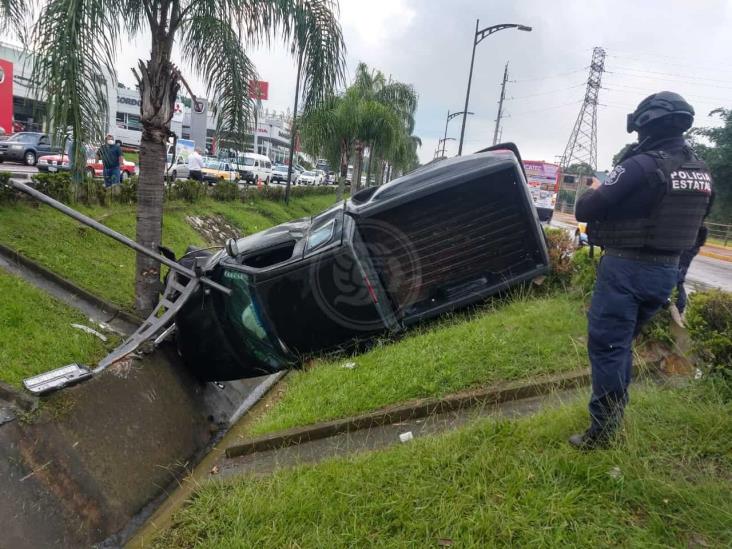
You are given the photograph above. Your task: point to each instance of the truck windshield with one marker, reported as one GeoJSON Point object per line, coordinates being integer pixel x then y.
{"type": "Point", "coordinates": [253, 335]}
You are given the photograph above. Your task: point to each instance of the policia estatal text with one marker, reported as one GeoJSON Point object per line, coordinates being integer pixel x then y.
{"type": "Point", "coordinates": [648, 211]}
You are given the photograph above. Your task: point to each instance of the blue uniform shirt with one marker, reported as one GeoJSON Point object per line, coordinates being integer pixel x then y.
{"type": "Point", "coordinates": [628, 192]}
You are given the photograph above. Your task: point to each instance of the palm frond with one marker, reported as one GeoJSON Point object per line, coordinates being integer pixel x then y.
{"type": "Point", "coordinates": [74, 50]}
{"type": "Point", "coordinates": [14, 17]}
{"type": "Point", "coordinates": [212, 48]}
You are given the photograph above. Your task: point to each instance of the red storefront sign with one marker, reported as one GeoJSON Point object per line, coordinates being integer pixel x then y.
{"type": "Point", "coordinates": [6, 95]}
{"type": "Point", "coordinates": [259, 89]}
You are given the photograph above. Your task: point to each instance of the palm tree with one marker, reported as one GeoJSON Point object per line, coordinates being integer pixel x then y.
{"type": "Point", "coordinates": [330, 131]}
{"type": "Point", "coordinates": [76, 42]}
{"type": "Point", "coordinates": [399, 98]}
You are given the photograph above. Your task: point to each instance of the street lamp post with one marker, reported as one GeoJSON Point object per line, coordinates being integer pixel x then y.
{"type": "Point", "coordinates": [443, 142]}
{"type": "Point", "coordinates": [479, 36]}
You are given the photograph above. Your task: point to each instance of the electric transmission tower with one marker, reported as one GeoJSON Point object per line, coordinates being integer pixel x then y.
{"type": "Point", "coordinates": [582, 144]}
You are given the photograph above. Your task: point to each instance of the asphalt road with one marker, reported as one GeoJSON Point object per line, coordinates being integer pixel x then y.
{"type": "Point", "coordinates": [12, 167]}
{"type": "Point", "coordinates": [706, 272]}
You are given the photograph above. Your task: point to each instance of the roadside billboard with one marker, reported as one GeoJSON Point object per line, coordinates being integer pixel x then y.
{"type": "Point", "coordinates": [184, 148]}
{"type": "Point", "coordinates": [6, 96]}
{"type": "Point", "coordinates": [543, 181]}
{"type": "Point", "coordinates": [259, 89]}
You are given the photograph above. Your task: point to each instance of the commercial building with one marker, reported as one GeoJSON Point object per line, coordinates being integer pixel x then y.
{"type": "Point", "coordinates": [20, 109]}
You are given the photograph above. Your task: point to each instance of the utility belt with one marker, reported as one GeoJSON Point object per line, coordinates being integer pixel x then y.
{"type": "Point", "coordinates": [643, 255]}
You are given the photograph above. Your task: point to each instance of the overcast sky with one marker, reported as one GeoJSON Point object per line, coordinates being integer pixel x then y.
{"type": "Point", "coordinates": [652, 45]}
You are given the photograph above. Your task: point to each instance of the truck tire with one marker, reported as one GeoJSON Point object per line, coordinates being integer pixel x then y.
{"type": "Point", "coordinates": [30, 158]}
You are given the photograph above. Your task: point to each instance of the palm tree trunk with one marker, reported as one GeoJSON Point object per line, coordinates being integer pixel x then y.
{"type": "Point", "coordinates": [158, 90]}
{"type": "Point", "coordinates": [342, 172]}
{"type": "Point", "coordinates": [372, 156]}
{"type": "Point", "coordinates": [358, 168]}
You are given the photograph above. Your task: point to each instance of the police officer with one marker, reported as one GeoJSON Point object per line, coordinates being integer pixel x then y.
{"type": "Point", "coordinates": [649, 209]}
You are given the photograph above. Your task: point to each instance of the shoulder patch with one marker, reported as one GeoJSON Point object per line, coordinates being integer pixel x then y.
{"type": "Point", "coordinates": [614, 175]}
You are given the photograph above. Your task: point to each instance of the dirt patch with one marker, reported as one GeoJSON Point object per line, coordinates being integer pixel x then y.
{"type": "Point", "coordinates": [214, 228]}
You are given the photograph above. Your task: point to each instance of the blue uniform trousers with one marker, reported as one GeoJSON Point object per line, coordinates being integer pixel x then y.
{"type": "Point", "coordinates": [627, 294]}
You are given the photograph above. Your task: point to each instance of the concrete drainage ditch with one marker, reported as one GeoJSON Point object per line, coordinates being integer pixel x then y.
{"type": "Point", "coordinates": [89, 464]}
{"type": "Point", "coordinates": [92, 462]}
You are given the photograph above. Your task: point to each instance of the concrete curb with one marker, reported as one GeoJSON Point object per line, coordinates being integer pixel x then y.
{"type": "Point", "coordinates": [43, 272]}
{"type": "Point", "coordinates": [413, 410]}
{"type": "Point", "coordinates": [713, 255]}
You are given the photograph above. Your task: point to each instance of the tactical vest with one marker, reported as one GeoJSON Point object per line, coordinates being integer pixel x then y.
{"type": "Point", "coordinates": [685, 189]}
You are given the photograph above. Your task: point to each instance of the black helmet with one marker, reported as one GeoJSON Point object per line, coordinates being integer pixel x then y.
{"type": "Point", "coordinates": [659, 105]}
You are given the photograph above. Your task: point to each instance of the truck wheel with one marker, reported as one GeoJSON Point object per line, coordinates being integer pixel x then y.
{"type": "Point", "coordinates": [174, 175]}
{"type": "Point", "coordinates": [124, 176]}
{"type": "Point", "coordinates": [90, 173]}
{"type": "Point", "coordinates": [30, 158]}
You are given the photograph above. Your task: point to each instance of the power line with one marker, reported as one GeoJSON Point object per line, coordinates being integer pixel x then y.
{"type": "Point", "coordinates": [673, 80]}
{"type": "Point", "coordinates": [543, 109]}
{"type": "Point", "coordinates": [685, 76]}
{"type": "Point", "coordinates": [655, 59]}
{"type": "Point", "coordinates": [580, 85]}
{"type": "Point", "coordinates": [650, 91]}
{"type": "Point", "coordinates": [558, 75]}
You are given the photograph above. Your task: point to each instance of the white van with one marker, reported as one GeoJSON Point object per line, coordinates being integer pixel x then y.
{"type": "Point", "coordinates": [254, 167]}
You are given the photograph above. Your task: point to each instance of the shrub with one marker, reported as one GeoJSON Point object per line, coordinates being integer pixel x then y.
{"type": "Point", "coordinates": [560, 247]}
{"type": "Point", "coordinates": [7, 194]}
{"type": "Point", "coordinates": [584, 270]}
{"type": "Point", "coordinates": [189, 190]}
{"type": "Point", "coordinates": [128, 191]}
{"type": "Point", "coordinates": [709, 321]}
{"type": "Point", "coordinates": [225, 191]}
{"type": "Point", "coordinates": [56, 185]}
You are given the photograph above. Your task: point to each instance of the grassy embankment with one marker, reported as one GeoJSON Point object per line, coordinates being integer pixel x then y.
{"type": "Point", "coordinates": [496, 483]}
{"type": "Point", "coordinates": [519, 339]}
{"type": "Point", "coordinates": [36, 333]}
{"type": "Point", "coordinates": [106, 268]}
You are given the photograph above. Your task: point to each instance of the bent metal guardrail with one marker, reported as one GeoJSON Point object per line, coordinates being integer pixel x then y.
{"type": "Point", "coordinates": [182, 283]}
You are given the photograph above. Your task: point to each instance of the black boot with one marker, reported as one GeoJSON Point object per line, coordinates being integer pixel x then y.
{"type": "Point", "coordinates": [590, 440]}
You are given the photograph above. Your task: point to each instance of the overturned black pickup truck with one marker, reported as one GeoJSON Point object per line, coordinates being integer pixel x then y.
{"type": "Point", "coordinates": [440, 238]}
{"type": "Point", "coordinates": [445, 236]}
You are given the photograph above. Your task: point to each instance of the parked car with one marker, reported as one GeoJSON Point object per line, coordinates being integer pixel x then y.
{"type": "Point", "coordinates": [254, 167]}
{"type": "Point", "coordinates": [26, 147]}
{"type": "Point", "coordinates": [94, 167]}
{"type": "Point", "coordinates": [446, 236]}
{"type": "Point", "coordinates": [323, 177]}
{"type": "Point", "coordinates": [219, 170]}
{"type": "Point", "coordinates": [178, 169]}
{"type": "Point", "coordinates": [308, 178]}
{"type": "Point", "coordinates": [279, 173]}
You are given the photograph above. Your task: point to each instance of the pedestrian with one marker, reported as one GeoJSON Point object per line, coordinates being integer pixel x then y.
{"type": "Point", "coordinates": [111, 156]}
{"type": "Point", "coordinates": [649, 209]}
{"type": "Point", "coordinates": [195, 165]}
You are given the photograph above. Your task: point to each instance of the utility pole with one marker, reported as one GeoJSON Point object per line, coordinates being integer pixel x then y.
{"type": "Point", "coordinates": [500, 104]}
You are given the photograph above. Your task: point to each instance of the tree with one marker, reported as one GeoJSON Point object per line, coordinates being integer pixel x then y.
{"type": "Point", "coordinates": [397, 97]}
{"type": "Point", "coordinates": [330, 131]}
{"type": "Point", "coordinates": [621, 153]}
{"type": "Point", "coordinates": [581, 168]}
{"type": "Point", "coordinates": [75, 42]}
{"type": "Point", "coordinates": [718, 155]}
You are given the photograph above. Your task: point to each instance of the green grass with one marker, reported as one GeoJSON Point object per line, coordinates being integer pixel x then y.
{"type": "Point", "coordinates": [106, 268]}
{"type": "Point", "coordinates": [495, 483]}
{"type": "Point", "coordinates": [36, 333]}
{"type": "Point", "coordinates": [523, 338]}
